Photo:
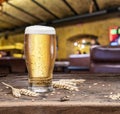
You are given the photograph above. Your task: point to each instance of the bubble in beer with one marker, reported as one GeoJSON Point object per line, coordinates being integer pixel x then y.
{"type": "Point", "coordinates": [40, 51]}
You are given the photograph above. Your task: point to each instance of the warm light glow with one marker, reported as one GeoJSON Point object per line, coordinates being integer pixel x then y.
{"type": "Point", "coordinates": [82, 46]}
{"type": "Point", "coordinates": [83, 41]}
{"type": "Point", "coordinates": [75, 44]}
{"type": "Point", "coordinates": [79, 45]}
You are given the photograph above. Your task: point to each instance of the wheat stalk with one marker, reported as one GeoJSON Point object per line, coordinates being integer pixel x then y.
{"type": "Point", "coordinates": [18, 92]}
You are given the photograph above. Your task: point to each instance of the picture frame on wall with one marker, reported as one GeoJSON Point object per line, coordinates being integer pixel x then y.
{"type": "Point", "coordinates": [114, 36]}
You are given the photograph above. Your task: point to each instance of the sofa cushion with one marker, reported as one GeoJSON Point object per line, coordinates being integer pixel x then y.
{"type": "Point", "coordinates": [105, 68]}
{"type": "Point", "coordinates": [105, 54]}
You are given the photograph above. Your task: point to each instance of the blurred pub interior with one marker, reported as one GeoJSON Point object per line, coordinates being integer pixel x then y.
{"type": "Point", "coordinates": [77, 23]}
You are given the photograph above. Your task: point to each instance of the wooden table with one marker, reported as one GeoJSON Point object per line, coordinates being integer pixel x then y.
{"type": "Point", "coordinates": [91, 99]}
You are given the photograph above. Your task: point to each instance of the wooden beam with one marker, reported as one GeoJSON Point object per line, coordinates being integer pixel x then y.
{"type": "Point", "coordinates": [9, 22]}
{"type": "Point", "coordinates": [15, 17]}
{"type": "Point", "coordinates": [20, 9]}
{"type": "Point", "coordinates": [69, 6]}
{"type": "Point", "coordinates": [96, 5]}
{"type": "Point", "coordinates": [45, 9]}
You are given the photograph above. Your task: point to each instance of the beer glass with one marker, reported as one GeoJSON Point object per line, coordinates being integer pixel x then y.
{"type": "Point", "coordinates": [40, 51]}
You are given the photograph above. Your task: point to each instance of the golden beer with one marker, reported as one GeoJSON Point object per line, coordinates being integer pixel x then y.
{"type": "Point", "coordinates": [40, 51]}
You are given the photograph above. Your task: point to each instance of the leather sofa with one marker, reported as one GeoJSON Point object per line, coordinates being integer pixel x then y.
{"type": "Point", "coordinates": [12, 65]}
{"type": "Point", "coordinates": [105, 59]}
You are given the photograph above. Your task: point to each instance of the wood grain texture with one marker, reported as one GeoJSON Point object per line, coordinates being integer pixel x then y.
{"type": "Point", "coordinates": [33, 9]}
{"type": "Point", "coordinates": [4, 25]}
{"type": "Point", "coordinates": [18, 14]}
{"type": "Point", "coordinates": [29, 12]}
{"type": "Point", "coordinates": [80, 6]}
{"type": "Point", "coordinates": [87, 100]}
{"type": "Point", "coordinates": [57, 7]}
{"type": "Point", "coordinates": [60, 110]}
{"type": "Point", "coordinates": [11, 20]}
{"type": "Point", "coordinates": [108, 3]}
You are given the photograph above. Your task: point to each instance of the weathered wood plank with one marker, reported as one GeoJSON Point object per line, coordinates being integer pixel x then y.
{"type": "Point", "coordinates": [88, 91]}
{"type": "Point", "coordinates": [90, 99]}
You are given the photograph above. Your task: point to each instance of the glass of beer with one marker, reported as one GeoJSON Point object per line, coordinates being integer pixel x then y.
{"type": "Point", "coordinates": [40, 52]}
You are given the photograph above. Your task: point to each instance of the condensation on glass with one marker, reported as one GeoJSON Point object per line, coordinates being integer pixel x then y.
{"type": "Point", "coordinates": [40, 51]}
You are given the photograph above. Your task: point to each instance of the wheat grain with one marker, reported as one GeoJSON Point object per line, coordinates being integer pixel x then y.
{"type": "Point", "coordinates": [18, 92]}
{"type": "Point", "coordinates": [28, 93]}
{"type": "Point", "coordinates": [15, 92]}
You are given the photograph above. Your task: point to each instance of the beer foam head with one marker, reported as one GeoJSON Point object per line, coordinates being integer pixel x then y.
{"type": "Point", "coordinates": [38, 29]}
